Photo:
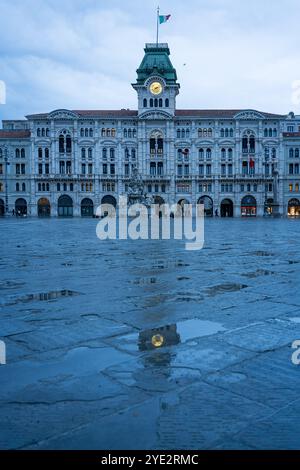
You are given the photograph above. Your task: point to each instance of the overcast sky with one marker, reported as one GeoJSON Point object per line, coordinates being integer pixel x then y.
{"type": "Point", "coordinates": [83, 54]}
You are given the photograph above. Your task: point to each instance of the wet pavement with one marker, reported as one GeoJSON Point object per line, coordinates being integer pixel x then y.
{"type": "Point", "coordinates": [142, 344]}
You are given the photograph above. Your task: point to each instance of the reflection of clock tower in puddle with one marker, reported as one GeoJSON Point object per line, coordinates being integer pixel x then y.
{"type": "Point", "coordinates": [156, 83]}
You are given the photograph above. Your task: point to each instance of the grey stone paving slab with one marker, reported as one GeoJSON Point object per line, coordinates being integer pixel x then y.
{"type": "Point", "coordinates": [268, 378]}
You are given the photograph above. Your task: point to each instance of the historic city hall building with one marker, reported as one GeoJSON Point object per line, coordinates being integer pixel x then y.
{"type": "Point", "coordinates": [65, 163]}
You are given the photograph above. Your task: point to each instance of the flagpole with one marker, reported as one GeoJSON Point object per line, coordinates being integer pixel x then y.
{"type": "Point", "coordinates": [157, 25]}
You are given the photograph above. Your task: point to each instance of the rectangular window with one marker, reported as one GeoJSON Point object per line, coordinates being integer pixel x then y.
{"type": "Point", "coordinates": [297, 187]}
{"type": "Point", "coordinates": [186, 170]}
{"type": "Point", "coordinates": [290, 188]}
{"type": "Point", "coordinates": [40, 168]}
{"type": "Point", "coordinates": [223, 170]}
{"type": "Point", "coordinates": [153, 169]}
{"type": "Point", "coordinates": [179, 170]}
{"type": "Point", "coordinates": [83, 168]}
{"type": "Point", "coordinates": [208, 170]}
{"type": "Point", "coordinates": [68, 167]}
{"type": "Point", "coordinates": [230, 170]}
{"type": "Point", "coordinates": [104, 168]}
{"type": "Point", "coordinates": [1, 169]}
{"type": "Point", "coordinates": [149, 188]}
{"type": "Point", "coordinates": [126, 168]}
{"type": "Point", "coordinates": [47, 168]}
{"type": "Point", "coordinates": [23, 168]}
{"type": "Point", "coordinates": [160, 168]}
{"type": "Point", "coordinates": [112, 168]}
{"type": "Point", "coordinates": [90, 168]}
{"type": "Point", "coordinates": [201, 170]}
{"type": "Point", "coordinates": [17, 168]}
{"type": "Point", "coordinates": [291, 169]}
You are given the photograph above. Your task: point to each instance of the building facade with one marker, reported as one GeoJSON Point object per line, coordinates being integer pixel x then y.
{"type": "Point", "coordinates": [67, 162]}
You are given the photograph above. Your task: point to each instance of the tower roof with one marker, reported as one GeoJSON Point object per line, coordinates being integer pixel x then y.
{"type": "Point", "coordinates": [156, 61]}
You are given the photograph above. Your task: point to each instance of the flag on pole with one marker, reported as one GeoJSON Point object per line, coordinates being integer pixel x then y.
{"type": "Point", "coordinates": [163, 18]}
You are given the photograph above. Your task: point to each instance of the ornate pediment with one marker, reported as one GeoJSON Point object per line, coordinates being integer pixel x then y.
{"type": "Point", "coordinates": [155, 115]}
{"type": "Point", "coordinates": [249, 114]}
{"type": "Point", "coordinates": [62, 114]}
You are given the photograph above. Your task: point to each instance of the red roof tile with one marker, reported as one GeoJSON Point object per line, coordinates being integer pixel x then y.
{"type": "Point", "coordinates": [14, 134]}
{"type": "Point", "coordinates": [291, 134]}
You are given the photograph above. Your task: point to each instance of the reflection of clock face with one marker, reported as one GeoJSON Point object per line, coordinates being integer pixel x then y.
{"type": "Point", "coordinates": [156, 88]}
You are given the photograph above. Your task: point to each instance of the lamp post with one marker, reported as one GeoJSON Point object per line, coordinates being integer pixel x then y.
{"type": "Point", "coordinates": [6, 179]}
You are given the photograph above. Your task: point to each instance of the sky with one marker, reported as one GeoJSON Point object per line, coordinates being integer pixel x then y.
{"type": "Point", "coordinates": [83, 54]}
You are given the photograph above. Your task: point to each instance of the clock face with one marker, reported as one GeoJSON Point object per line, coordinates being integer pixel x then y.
{"type": "Point", "coordinates": [156, 88]}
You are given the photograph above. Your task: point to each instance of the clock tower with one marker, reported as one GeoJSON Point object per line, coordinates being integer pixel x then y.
{"type": "Point", "coordinates": [156, 83]}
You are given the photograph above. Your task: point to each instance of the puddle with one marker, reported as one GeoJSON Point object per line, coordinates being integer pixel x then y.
{"type": "Point", "coordinates": [257, 273]}
{"type": "Point", "coordinates": [295, 319]}
{"type": "Point", "coordinates": [261, 253]}
{"type": "Point", "coordinates": [44, 296]}
{"type": "Point", "coordinates": [168, 335]}
{"type": "Point", "coordinates": [223, 288]}
{"type": "Point", "coordinates": [190, 329]}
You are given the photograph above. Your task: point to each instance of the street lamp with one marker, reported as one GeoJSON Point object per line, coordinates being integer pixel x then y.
{"type": "Point", "coordinates": [6, 179]}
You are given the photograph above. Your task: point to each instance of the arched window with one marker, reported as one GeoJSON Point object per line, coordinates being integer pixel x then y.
{"type": "Point", "coordinates": [91, 132]}
{"type": "Point", "coordinates": [126, 153]}
{"type": "Point", "coordinates": [209, 132]}
{"type": "Point", "coordinates": [273, 153]}
{"type": "Point", "coordinates": [134, 133]}
{"type": "Point", "coordinates": [17, 153]}
{"type": "Point", "coordinates": [297, 153]}
{"type": "Point", "coordinates": [17, 187]}
{"type": "Point", "coordinates": [71, 186]}
{"type": "Point", "coordinates": [23, 187]}
{"type": "Point", "coordinates": [65, 186]}
{"type": "Point", "coordinates": [86, 132]}
{"type": "Point", "coordinates": [155, 102]}
{"type": "Point", "coordinates": [291, 153]}
{"type": "Point", "coordinates": [68, 144]}
{"type": "Point", "coordinates": [43, 187]}
{"type": "Point", "coordinates": [274, 132]}
{"type": "Point", "coordinates": [90, 152]}
{"type": "Point", "coordinates": [39, 187]}
{"type": "Point", "coordinates": [201, 154]}
{"type": "Point", "coordinates": [252, 143]}
{"type": "Point", "coordinates": [267, 153]}
{"type": "Point", "coordinates": [222, 132]}
{"type": "Point", "coordinates": [208, 154]}
{"type": "Point", "coordinates": [231, 133]}
{"type": "Point", "coordinates": [270, 133]}
{"type": "Point", "coordinates": [151, 102]}
{"type": "Point", "coordinates": [160, 102]}
{"type": "Point", "coordinates": [113, 132]}
{"type": "Point", "coordinates": [230, 154]}
{"type": "Point", "coordinates": [46, 152]}
{"type": "Point", "coordinates": [61, 144]}
{"type": "Point", "coordinates": [129, 133]}
{"type": "Point", "coordinates": [38, 132]}
{"type": "Point", "coordinates": [178, 133]}
{"type": "Point", "coordinates": [226, 132]}
{"type": "Point", "coordinates": [102, 132]}
{"type": "Point", "coordinates": [187, 133]}
{"type": "Point", "coordinates": [22, 153]}
{"type": "Point", "coordinates": [167, 102]}
{"type": "Point", "coordinates": [58, 186]}
{"type": "Point", "coordinates": [43, 132]}
{"type": "Point", "coordinates": [182, 133]}
{"type": "Point", "coordinates": [104, 153]}
{"type": "Point", "coordinates": [266, 133]}
{"type": "Point", "coordinates": [83, 153]}
{"type": "Point", "coordinates": [223, 154]}
{"type": "Point", "coordinates": [145, 103]}
{"type": "Point", "coordinates": [82, 132]}
{"type": "Point", "coordinates": [133, 153]}
{"type": "Point", "coordinates": [48, 186]}
{"type": "Point", "coordinates": [112, 153]}
{"type": "Point", "coordinates": [125, 133]}
{"type": "Point", "coordinates": [40, 152]}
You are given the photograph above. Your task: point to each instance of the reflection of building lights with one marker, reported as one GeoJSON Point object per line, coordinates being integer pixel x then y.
{"type": "Point", "coordinates": [157, 341]}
